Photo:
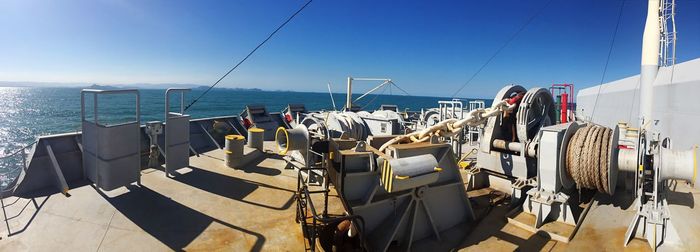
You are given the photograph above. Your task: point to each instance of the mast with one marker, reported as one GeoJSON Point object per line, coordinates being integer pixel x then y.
{"type": "Point", "coordinates": [650, 64]}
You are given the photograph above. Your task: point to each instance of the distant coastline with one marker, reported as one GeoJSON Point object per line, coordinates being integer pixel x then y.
{"type": "Point", "coordinates": [161, 86]}
{"type": "Point", "coordinates": [121, 86]}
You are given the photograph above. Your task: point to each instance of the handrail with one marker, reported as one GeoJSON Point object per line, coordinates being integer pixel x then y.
{"type": "Point", "coordinates": [20, 149]}
{"type": "Point", "coordinates": [182, 100]}
{"type": "Point", "coordinates": [13, 170]}
{"type": "Point", "coordinates": [303, 189]}
{"type": "Point", "coordinates": [95, 92]}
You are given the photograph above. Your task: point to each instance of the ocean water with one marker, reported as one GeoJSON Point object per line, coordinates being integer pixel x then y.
{"type": "Point", "coordinates": [29, 112]}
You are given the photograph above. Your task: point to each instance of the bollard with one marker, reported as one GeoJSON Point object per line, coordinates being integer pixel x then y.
{"type": "Point", "coordinates": [233, 150]}
{"type": "Point", "coordinates": [255, 138]}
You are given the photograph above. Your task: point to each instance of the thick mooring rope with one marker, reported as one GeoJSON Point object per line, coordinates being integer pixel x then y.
{"type": "Point", "coordinates": [587, 158]}
{"type": "Point", "coordinates": [451, 127]}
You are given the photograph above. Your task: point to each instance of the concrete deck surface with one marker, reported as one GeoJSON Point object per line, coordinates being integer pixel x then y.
{"type": "Point", "coordinates": [210, 207]}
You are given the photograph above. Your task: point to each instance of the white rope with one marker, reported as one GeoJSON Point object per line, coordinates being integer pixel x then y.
{"type": "Point", "coordinates": [451, 127]}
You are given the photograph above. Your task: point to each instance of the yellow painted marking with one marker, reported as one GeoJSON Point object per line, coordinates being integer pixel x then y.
{"type": "Point", "coordinates": [641, 167]}
{"type": "Point", "coordinates": [384, 172]}
{"type": "Point", "coordinates": [234, 137]}
{"type": "Point", "coordinates": [286, 136]}
{"type": "Point", "coordinates": [256, 130]}
{"type": "Point", "coordinates": [438, 169]}
{"type": "Point", "coordinates": [401, 177]}
{"type": "Point", "coordinates": [391, 181]}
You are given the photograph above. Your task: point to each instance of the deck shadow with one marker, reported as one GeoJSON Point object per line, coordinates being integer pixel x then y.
{"type": "Point", "coordinates": [37, 208]}
{"type": "Point", "coordinates": [490, 222]}
{"type": "Point", "coordinates": [621, 199]}
{"type": "Point", "coordinates": [172, 223]}
{"type": "Point", "coordinates": [262, 170]}
{"type": "Point", "coordinates": [229, 187]}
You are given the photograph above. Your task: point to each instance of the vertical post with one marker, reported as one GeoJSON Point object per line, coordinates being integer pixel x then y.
{"type": "Point", "coordinates": [94, 106]}
{"type": "Point", "coordinates": [97, 151]}
{"type": "Point", "coordinates": [650, 64]}
{"type": "Point", "coordinates": [82, 107]}
{"type": "Point", "coordinates": [348, 103]}
{"type": "Point", "coordinates": [564, 107]}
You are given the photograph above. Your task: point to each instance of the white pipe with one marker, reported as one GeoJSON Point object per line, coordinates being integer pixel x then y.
{"type": "Point", "coordinates": [372, 90]}
{"type": "Point", "coordinates": [348, 103]}
{"type": "Point", "coordinates": [331, 93]}
{"type": "Point", "coordinates": [650, 63]}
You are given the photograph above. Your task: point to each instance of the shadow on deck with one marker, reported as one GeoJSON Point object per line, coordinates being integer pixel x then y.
{"type": "Point", "coordinates": [172, 223]}
{"type": "Point", "coordinates": [230, 187]}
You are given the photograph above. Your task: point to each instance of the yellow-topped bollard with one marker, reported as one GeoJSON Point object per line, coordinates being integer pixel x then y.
{"type": "Point", "coordinates": [255, 138]}
{"type": "Point", "coordinates": [233, 150]}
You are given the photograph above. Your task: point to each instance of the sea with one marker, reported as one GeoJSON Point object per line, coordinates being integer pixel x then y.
{"type": "Point", "coordinates": [29, 112]}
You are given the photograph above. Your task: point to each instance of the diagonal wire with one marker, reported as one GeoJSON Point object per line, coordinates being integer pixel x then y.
{"type": "Point", "coordinates": [512, 37]}
{"type": "Point", "coordinates": [251, 53]}
{"type": "Point", "coordinates": [375, 97]}
{"type": "Point", "coordinates": [399, 88]}
{"type": "Point", "coordinates": [607, 60]}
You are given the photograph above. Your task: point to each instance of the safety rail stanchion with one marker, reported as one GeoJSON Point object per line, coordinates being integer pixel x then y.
{"type": "Point", "coordinates": [4, 213]}
{"type": "Point", "coordinates": [23, 152]}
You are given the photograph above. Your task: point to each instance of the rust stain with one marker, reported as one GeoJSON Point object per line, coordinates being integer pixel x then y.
{"type": "Point", "coordinates": [605, 240]}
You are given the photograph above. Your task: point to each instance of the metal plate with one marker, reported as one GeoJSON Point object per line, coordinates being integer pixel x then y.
{"type": "Point", "coordinates": [612, 165]}
{"type": "Point", "coordinates": [566, 180]}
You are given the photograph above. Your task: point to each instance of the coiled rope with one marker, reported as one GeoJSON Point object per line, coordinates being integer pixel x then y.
{"type": "Point", "coordinates": [587, 159]}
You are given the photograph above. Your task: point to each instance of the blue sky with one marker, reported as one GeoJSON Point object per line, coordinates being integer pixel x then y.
{"type": "Point", "coordinates": [427, 47]}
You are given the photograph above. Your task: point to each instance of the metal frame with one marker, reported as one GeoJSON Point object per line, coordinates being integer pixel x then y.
{"type": "Point", "coordinates": [349, 101]}
{"type": "Point", "coordinates": [23, 153]}
{"type": "Point", "coordinates": [318, 221]}
{"type": "Point", "coordinates": [95, 94]}
{"type": "Point", "coordinates": [172, 115]}
{"type": "Point", "coordinates": [453, 109]}
{"type": "Point", "coordinates": [668, 34]}
{"type": "Point", "coordinates": [474, 131]}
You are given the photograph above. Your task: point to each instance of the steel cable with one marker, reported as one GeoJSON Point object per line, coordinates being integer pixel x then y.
{"type": "Point", "coordinates": [249, 54]}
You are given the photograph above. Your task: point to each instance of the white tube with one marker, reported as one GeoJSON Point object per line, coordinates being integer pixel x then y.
{"type": "Point", "coordinates": [348, 103]}
{"type": "Point", "coordinates": [650, 63]}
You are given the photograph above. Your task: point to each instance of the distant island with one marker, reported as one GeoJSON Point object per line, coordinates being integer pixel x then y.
{"type": "Point", "coordinates": [124, 86]}
{"type": "Point", "coordinates": [101, 87]}
{"type": "Point", "coordinates": [233, 89]}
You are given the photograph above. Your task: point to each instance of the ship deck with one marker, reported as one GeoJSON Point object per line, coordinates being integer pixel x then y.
{"type": "Point", "coordinates": [209, 206]}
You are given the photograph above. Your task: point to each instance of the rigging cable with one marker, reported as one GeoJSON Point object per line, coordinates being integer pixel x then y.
{"type": "Point", "coordinates": [249, 54]}
{"type": "Point", "coordinates": [375, 97]}
{"type": "Point", "coordinates": [607, 60]}
{"type": "Point", "coordinates": [512, 37]}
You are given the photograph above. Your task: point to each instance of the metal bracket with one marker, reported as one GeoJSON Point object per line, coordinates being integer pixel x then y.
{"type": "Point", "coordinates": [61, 181]}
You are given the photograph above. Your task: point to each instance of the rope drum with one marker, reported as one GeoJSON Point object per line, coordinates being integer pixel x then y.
{"type": "Point", "coordinates": [588, 159]}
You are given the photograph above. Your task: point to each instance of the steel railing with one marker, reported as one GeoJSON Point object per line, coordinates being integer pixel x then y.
{"type": "Point", "coordinates": [311, 230]}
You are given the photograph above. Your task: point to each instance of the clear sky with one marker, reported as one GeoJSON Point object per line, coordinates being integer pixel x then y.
{"type": "Point", "coordinates": [426, 47]}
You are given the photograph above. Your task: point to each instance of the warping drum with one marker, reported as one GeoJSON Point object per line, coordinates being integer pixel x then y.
{"type": "Point", "coordinates": [291, 140]}
{"type": "Point", "coordinates": [255, 138]}
{"type": "Point", "coordinates": [233, 150]}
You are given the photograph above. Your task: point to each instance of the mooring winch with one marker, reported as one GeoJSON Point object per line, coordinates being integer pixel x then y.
{"type": "Point", "coordinates": [408, 194]}
{"type": "Point", "coordinates": [322, 126]}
